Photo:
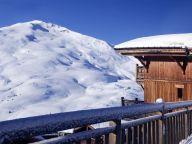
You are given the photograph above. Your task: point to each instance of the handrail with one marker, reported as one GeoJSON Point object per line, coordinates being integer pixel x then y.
{"type": "Point", "coordinates": [78, 136]}
{"type": "Point", "coordinates": [39, 125]}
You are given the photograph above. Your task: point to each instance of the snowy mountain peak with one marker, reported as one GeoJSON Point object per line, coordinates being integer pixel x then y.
{"type": "Point", "coordinates": [36, 22]}
{"type": "Point", "coordinates": [46, 68]}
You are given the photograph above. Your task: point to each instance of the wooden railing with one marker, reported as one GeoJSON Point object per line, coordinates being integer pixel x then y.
{"type": "Point", "coordinates": [140, 70]}
{"type": "Point", "coordinates": [128, 102]}
{"type": "Point", "coordinates": [165, 123]}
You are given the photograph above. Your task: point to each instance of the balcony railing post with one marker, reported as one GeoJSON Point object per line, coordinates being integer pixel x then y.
{"type": "Point", "coordinates": [164, 126]}
{"type": "Point", "coordinates": [118, 132]}
{"type": "Point", "coordinates": [186, 123]}
{"type": "Point", "coordinates": [122, 101]}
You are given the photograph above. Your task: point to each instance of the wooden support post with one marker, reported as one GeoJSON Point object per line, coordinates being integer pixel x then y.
{"type": "Point", "coordinates": [164, 126]}
{"type": "Point", "coordinates": [118, 132]}
{"type": "Point", "coordinates": [136, 76]}
{"type": "Point", "coordinates": [145, 136]}
{"type": "Point", "coordinates": [122, 101]}
{"type": "Point", "coordinates": [107, 139]}
{"type": "Point", "coordinates": [123, 134]}
{"type": "Point", "coordinates": [144, 61]}
{"type": "Point", "coordinates": [97, 140]}
{"type": "Point", "coordinates": [88, 141]}
{"type": "Point", "coordinates": [157, 132]}
{"type": "Point", "coordinates": [186, 123]}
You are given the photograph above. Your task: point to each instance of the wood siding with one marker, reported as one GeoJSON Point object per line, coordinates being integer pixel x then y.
{"type": "Point", "coordinates": [168, 71]}
{"type": "Point", "coordinates": [162, 80]}
{"type": "Point", "coordinates": [165, 90]}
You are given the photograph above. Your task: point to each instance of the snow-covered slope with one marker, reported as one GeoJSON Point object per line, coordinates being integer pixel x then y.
{"type": "Point", "coordinates": [170, 40]}
{"type": "Point", "coordinates": [45, 68]}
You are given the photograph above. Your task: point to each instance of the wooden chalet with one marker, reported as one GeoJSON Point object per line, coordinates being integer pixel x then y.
{"type": "Point", "coordinates": [166, 71]}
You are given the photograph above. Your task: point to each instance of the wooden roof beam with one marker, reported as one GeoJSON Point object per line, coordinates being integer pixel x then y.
{"type": "Point", "coordinates": [154, 51]}
{"type": "Point", "coordinates": [144, 61]}
{"type": "Point", "coordinates": [182, 64]}
{"type": "Point", "coordinates": [154, 54]}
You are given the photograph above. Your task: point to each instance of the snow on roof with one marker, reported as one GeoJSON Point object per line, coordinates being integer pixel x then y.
{"type": "Point", "coordinates": [171, 40]}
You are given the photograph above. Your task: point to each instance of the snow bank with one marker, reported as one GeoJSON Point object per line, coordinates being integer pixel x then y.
{"type": "Point", "coordinates": [45, 68]}
{"type": "Point", "coordinates": [187, 141]}
{"type": "Point", "coordinates": [171, 40]}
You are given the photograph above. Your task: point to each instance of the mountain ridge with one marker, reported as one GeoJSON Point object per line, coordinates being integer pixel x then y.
{"type": "Point", "coordinates": [46, 68]}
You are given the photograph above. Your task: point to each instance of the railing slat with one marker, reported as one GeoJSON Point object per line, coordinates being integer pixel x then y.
{"type": "Point", "coordinates": [179, 128]}
{"type": "Point", "coordinates": [166, 125]}
{"type": "Point", "coordinates": [129, 132]}
{"type": "Point", "coordinates": [107, 139]}
{"type": "Point", "coordinates": [145, 134]}
{"type": "Point", "coordinates": [157, 125]}
{"type": "Point", "coordinates": [173, 129]}
{"type": "Point", "coordinates": [149, 132]}
{"type": "Point", "coordinates": [190, 121]}
{"type": "Point", "coordinates": [123, 135]}
{"type": "Point", "coordinates": [140, 134]}
{"type": "Point", "coordinates": [135, 137]}
{"type": "Point", "coordinates": [89, 141]}
{"type": "Point", "coordinates": [176, 129]}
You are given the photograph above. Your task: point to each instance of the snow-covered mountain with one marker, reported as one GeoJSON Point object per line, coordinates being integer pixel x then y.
{"type": "Point", "coordinates": [45, 68]}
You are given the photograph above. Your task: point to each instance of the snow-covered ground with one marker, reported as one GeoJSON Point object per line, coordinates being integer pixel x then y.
{"type": "Point", "coordinates": [187, 141]}
{"type": "Point", "coordinates": [169, 40]}
{"type": "Point", "coordinates": [45, 68]}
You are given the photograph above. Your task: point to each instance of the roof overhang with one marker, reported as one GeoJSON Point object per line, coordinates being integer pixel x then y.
{"type": "Point", "coordinates": [154, 51]}
{"type": "Point", "coordinates": [147, 54]}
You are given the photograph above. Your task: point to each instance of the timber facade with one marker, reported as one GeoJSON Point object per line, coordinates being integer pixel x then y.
{"type": "Point", "coordinates": [167, 72]}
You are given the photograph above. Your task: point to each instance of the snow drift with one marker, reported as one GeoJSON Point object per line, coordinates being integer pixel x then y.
{"type": "Point", "coordinates": [45, 68]}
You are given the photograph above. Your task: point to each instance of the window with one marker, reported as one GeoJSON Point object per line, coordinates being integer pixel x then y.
{"type": "Point", "coordinates": [180, 93]}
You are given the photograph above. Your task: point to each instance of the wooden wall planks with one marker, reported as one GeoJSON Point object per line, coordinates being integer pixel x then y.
{"type": "Point", "coordinates": [168, 71]}
{"type": "Point", "coordinates": [166, 90]}
{"type": "Point", "coordinates": [162, 80]}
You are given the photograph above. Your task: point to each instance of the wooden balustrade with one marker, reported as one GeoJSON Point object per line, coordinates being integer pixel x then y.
{"type": "Point", "coordinates": [165, 123]}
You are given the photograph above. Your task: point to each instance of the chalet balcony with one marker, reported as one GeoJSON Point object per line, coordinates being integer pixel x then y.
{"type": "Point", "coordinates": [162, 123]}
{"type": "Point", "coordinates": [140, 70]}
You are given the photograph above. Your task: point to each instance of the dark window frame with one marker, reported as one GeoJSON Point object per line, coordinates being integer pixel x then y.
{"type": "Point", "coordinates": [180, 93]}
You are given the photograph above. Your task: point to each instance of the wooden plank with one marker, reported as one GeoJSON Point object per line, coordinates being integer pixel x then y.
{"type": "Point", "coordinates": [169, 126]}
{"type": "Point", "coordinates": [88, 141]}
{"type": "Point", "coordinates": [97, 140]}
{"type": "Point", "coordinates": [161, 82]}
{"type": "Point", "coordinates": [140, 134]}
{"type": "Point", "coordinates": [107, 139]}
{"type": "Point", "coordinates": [149, 132]}
{"type": "Point", "coordinates": [173, 129]}
{"type": "Point", "coordinates": [183, 123]}
{"type": "Point", "coordinates": [153, 132]}
{"type": "Point", "coordinates": [145, 140]}
{"type": "Point", "coordinates": [130, 135]}
{"type": "Point", "coordinates": [190, 121]}
{"type": "Point", "coordinates": [177, 130]}
{"type": "Point", "coordinates": [180, 127]}
{"type": "Point", "coordinates": [157, 125]}
{"type": "Point", "coordinates": [123, 139]}
{"type": "Point", "coordinates": [166, 136]}
{"type": "Point", "coordinates": [118, 132]}
{"type": "Point", "coordinates": [153, 54]}
{"type": "Point", "coordinates": [135, 138]}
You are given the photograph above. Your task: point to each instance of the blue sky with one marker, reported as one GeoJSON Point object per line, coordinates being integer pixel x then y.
{"type": "Point", "coordinates": [112, 20]}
